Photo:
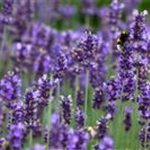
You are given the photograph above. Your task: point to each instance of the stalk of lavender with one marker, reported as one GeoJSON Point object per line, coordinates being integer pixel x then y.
{"type": "Point", "coordinates": [86, 92]}
{"type": "Point", "coordinates": [49, 115]}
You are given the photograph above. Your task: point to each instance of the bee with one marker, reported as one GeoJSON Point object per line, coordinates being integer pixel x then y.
{"type": "Point", "coordinates": [91, 130]}
{"type": "Point", "coordinates": [6, 145]}
{"type": "Point", "coordinates": [123, 38]}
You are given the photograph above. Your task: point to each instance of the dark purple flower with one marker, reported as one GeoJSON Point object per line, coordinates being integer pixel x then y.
{"type": "Point", "coordinates": [144, 103]}
{"type": "Point", "coordinates": [7, 7]}
{"type": "Point", "coordinates": [115, 12]}
{"type": "Point", "coordinates": [128, 120]}
{"type": "Point", "coordinates": [102, 127]}
{"type": "Point", "coordinates": [77, 139]}
{"type": "Point", "coordinates": [79, 118]}
{"type": "Point", "coordinates": [58, 133]}
{"type": "Point", "coordinates": [107, 143]}
{"type": "Point", "coordinates": [80, 98]}
{"type": "Point", "coordinates": [127, 73]}
{"type": "Point", "coordinates": [138, 32]}
{"type": "Point", "coordinates": [89, 7]}
{"type": "Point", "coordinates": [38, 147]}
{"type": "Point", "coordinates": [42, 64]}
{"type": "Point", "coordinates": [44, 87]}
{"type": "Point", "coordinates": [66, 108]}
{"type": "Point", "coordinates": [10, 89]}
{"type": "Point", "coordinates": [15, 136]}
{"type": "Point", "coordinates": [67, 11]}
{"type": "Point", "coordinates": [61, 66]}
{"type": "Point", "coordinates": [86, 49]}
{"type": "Point", "coordinates": [31, 98]}
{"type": "Point", "coordinates": [45, 135]}
{"type": "Point", "coordinates": [111, 109]}
{"type": "Point", "coordinates": [18, 113]}
{"type": "Point", "coordinates": [112, 88]}
{"type": "Point", "coordinates": [98, 98]}
{"type": "Point", "coordinates": [144, 136]}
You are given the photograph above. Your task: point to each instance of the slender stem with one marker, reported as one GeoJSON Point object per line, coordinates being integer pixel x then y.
{"type": "Point", "coordinates": [49, 116]}
{"type": "Point", "coordinates": [57, 104]}
{"type": "Point", "coordinates": [76, 89]}
{"type": "Point", "coordinates": [86, 94]}
{"type": "Point", "coordinates": [49, 123]}
{"type": "Point", "coordinates": [30, 138]}
{"type": "Point", "coordinates": [146, 132]}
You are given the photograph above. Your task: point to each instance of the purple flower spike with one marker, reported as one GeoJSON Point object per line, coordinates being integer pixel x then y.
{"type": "Point", "coordinates": [66, 108]}
{"type": "Point", "coordinates": [16, 135]}
{"type": "Point", "coordinates": [79, 118]}
{"type": "Point", "coordinates": [10, 89]}
{"type": "Point", "coordinates": [106, 144]}
{"type": "Point", "coordinates": [128, 120]}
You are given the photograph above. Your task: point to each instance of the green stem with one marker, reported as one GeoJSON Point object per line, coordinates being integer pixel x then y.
{"type": "Point", "coordinates": [57, 104]}
{"type": "Point", "coordinates": [76, 89]}
{"type": "Point", "coordinates": [30, 138]}
{"type": "Point", "coordinates": [86, 95]}
{"type": "Point", "coordinates": [146, 132]}
{"type": "Point", "coordinates": [49, 115]}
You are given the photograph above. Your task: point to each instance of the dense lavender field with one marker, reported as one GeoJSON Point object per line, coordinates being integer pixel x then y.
{"type": "Point", "coordinates": [74, 75]}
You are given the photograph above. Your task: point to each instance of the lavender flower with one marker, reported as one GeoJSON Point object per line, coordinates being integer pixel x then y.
{"type": "Point", "coordinates": [38, 147]}
{"type": "Point", "coordinates": [42, 64]}
{"type": "Point", "coordinates": [106, 144]}
{"type": "Point", "coordinates": [7, 7]}
{"type": "Point", "coordinates": [144, 104]}
{"type": "Point", "coordinates": [15, 136]}
{"type": "Point", "coordinates": [18, 113]}
{"type": "Point", "coordinates": [24, 12]}
{"type": "Point", "coordinates": [80, 98]}
{"type": "Point", "coordinates": [102, 127]}
{"type": "Point", "coordinates": [115, 12]}
{"type": "Point", "coordinates": [88, 7]}
{"type": "Point", "coordinates": [77, 140]}
{"type": "Point", "coordinates": [66, 109]}
{"type": "Point", "coordinates": [58, 133]}
{"type": "Point", "coordinates": [144, 136]}
{"type": "Point", "coordinates": [45, 135]}
{"type": "Point", "coordinates": [79, 118]}
{"type": "Point", "coordinates": [85, 50]}
{"type": "Point", "coordinates": [128, 120]}
{"type": "Point", "coordinates": [98, 98]}
{"type": "Point", "coordinates": [67, 11]}
{"type": "Point", "coordinates": [31, 108]}
{"type": "Point", "coordinates": [7, 12]}
{"type": "Point", "coordinates": [44, 87]}
{"type": "Point", "coordinates": [127, 74]}
{"type": "Point", "coordinates": [10, 87]}
{"type": "Point", "coordinates": [138, 31]}
{"type": "Point", "coordinates": [61, 67]}
{"type": "Point", "coordinates": [111, 109]}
